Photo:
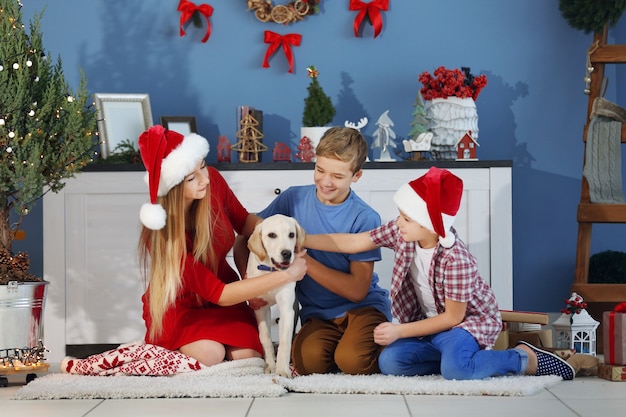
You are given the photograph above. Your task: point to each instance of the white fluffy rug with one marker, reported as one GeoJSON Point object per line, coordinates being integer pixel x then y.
{"type": "Point", "coordinates": [245, 378]}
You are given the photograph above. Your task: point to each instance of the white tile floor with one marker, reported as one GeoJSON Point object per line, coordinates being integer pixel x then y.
{"type": "Point", "coordinates": [586, 397]}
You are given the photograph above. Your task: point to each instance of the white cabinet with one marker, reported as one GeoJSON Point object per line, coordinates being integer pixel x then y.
{"type": "Point", "coordinates": [91, 231]}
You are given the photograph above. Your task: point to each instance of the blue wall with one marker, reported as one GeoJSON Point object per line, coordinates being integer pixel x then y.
{"type": "Point", "coordinates": [532, 110]}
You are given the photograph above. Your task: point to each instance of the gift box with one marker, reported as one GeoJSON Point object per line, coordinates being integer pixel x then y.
{"type": "Point", "coordinates": [614, 335]}
{"type": "Point", "coordinates": [523, 326]}
{"type": "Point", "coordinates": [508, 339]}
{"type": "Point", "coordinates": [612, 372]}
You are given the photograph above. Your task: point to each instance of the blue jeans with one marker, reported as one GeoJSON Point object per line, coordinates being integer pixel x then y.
{"type": "Point", "coordinates": [454, 354]}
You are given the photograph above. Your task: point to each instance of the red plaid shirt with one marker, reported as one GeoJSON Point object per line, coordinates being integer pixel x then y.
{"type": "Point", "coordinates": [453, 275]}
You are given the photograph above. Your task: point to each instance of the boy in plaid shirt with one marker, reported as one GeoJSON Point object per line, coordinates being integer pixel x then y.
{"type": "Point", "coordinates": [448, 316]}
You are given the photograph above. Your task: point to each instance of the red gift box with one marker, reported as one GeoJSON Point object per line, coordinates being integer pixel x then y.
{"type": "Point", "coordinates": [614, 335]}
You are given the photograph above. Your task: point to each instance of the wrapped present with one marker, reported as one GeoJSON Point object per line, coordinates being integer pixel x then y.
{"type": "Point", "coordinates": [612, 372]}
{"type": "Point", "coordinates": [614, 335]}
{"type": "Point", "coordinates": [508, 339]}
{"type": "Point", "coordinates": [564, 353]}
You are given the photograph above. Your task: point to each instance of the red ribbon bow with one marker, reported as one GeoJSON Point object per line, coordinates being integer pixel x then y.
{"type": "Point", "coordinates": [372, 9]}
{"type": "Point", "coordinates": [187, 9]}
{"type": "Point", "coordinates": [275, 40]}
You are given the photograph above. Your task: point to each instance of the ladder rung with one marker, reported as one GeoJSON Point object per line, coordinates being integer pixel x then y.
{"type": "Point", "coordinates": [609, 54]}
{"type": "Point", "coordinates": [602, 293]}
{"type": "Point", "coordinates": [601, 213]}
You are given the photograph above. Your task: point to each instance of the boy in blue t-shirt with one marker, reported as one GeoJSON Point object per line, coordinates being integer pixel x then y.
{"type": "Point", "coordinates": [341, 302]}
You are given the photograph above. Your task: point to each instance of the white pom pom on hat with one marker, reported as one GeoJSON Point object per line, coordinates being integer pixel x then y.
{"type": "Point", "coordinates": [433, 201]}
{"type": "Point", "coordinates": [168, 158]}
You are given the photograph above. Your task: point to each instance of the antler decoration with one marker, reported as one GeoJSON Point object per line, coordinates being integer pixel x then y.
{"type": "Point", "coordinates": [275, 40]}
{"type": "Point", "coordinates": [358, 126]}
{"type": "Point", "coordinates": [372, 10]}
{"type": "Point", "coordinates": [187, 9]}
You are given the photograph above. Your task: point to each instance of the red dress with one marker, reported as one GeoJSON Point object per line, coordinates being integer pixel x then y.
{"type": "Point", "coordinates": [189, 319]}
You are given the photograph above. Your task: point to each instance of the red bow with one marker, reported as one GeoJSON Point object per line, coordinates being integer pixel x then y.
{"type": "Point", "coordinates": [620, 308]}
{"type": "Point", "coordinates": [275, 40]}
{"type": "Point", "coordinates": [372, 9]}
{"type": "Point", "coordinates": [187, 9]}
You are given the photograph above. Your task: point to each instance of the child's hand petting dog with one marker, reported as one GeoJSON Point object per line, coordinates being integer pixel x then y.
{"type": "Point", "coordinates": [297, 269]}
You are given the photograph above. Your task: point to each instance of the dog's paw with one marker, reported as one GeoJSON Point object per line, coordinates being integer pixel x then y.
{"type": "Point", "coordinates": [286, 372]}
{"type": "Point", "coordinates": [270, 368]}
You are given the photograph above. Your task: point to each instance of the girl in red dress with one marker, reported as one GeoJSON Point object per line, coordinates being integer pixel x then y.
{"type": "Point", "coordinates": [195, 302]}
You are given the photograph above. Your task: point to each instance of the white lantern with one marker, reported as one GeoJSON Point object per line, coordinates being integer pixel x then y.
{"type": "Point", "coordinates": [579, 334]}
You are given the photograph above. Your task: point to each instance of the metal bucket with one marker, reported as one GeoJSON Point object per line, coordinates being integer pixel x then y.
{"type": "Point", "coordinates": [21, 314]}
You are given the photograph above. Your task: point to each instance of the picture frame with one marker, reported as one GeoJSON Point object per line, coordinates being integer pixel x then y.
{"type": "Point", "coordinates": [181, 124]}
{"type": "Point", "coordinates": [121, 117]}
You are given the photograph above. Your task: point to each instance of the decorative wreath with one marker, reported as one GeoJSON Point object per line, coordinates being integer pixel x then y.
{"type": "Point", "coordinates": [591, 16]}
{"type": "Point", "coordinates": [291, 12]}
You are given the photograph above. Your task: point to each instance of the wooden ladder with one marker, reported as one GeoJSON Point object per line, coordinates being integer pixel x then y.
{"type": "Point", "coordinates": [590, 213]}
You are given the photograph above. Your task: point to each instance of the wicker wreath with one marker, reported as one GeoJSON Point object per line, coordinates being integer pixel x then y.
{"type": "Point", "coordinates": [286, 14]}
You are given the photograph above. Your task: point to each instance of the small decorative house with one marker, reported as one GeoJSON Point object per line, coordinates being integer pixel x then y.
{"type": "Point", "coordinates": [281, 152]}
{"type": "Point", "coordinates": [466, 148]}
{"type": "Point", "coordinates": [223, 149]}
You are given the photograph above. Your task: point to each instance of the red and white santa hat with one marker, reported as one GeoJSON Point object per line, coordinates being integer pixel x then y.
{"type": "Point", "coordinates": [168, 157]}
{"type": "Point", "coordinates": [432, 200]}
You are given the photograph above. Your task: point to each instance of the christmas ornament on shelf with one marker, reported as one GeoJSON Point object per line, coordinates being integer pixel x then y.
{"type": "Point", "coordinates": [450, 107]}
{"type": "Point", "coordinates": [281, 152]}
{"type": "Point", "coordinates": [249, 144]}
{"type": "Point", "coordinates": [383, 138]}
{"type": "Point", "coordinates": [223, 149]}
{"type": "Point", "coordinates": [305, 150]}
{"type": "Point", "coordinates": [358, 126]}
{"type": "Point", "coordinates": [46, 130]}
{"type": "Point", "coordinates": [419, 137]}
{"type": "Point", "coordinates": [318, 109]}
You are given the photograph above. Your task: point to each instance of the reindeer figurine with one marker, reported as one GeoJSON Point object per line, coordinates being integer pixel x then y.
{"type": "Point", "coordinates": [358, 126]}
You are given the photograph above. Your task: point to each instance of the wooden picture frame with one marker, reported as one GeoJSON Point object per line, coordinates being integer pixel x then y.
{"type": "Point", "coordinates": [121, 117]}
{"type": "Point", "coordinates": [181, 124]}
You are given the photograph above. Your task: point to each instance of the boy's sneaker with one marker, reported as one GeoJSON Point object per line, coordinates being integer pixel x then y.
{"type": "Point", "coordinates": [550, 364]}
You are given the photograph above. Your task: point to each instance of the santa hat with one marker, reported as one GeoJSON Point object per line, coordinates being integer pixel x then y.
{"type": "Point", "coordinates": [168, 157]}
{"type": "Point", "coordinates": [432, 200]}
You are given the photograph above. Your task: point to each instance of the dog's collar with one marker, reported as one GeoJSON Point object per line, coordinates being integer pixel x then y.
{"type": "Point", "coordinates": [261, 267]}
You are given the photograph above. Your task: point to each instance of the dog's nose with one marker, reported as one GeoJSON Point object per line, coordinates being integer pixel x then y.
{"type": "Point", "coordinates": [286, 254]}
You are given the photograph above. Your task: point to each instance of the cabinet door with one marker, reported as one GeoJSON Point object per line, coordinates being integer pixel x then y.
{"type": "Point", "coordinates": [103, 285]}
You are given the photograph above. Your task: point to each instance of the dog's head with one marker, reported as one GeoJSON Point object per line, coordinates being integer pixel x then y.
{"type": "Point", "coordinates": [276, 239]}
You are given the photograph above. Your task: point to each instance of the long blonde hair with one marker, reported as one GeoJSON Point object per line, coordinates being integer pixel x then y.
{"type": "Point", "coordinates": [162, 253]}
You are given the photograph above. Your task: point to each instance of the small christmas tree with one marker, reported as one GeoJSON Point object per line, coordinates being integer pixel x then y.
{"type": "Point", "coordinates": [46, 131]}
{"type": "Point", "coordinates": [419, 122]}
{"type": "Point", "coordinates": [318, 107]}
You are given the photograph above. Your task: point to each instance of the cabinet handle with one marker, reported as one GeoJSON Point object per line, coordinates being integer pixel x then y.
{"type": "Point", "coordinates": [277, 191]}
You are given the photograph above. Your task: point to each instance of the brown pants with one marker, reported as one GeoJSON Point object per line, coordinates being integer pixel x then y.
{"type": "Point", "coordinates": [343, 344]}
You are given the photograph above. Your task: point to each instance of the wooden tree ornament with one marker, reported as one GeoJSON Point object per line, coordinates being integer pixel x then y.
{"type": "Point", "coordinates": [249, 144]}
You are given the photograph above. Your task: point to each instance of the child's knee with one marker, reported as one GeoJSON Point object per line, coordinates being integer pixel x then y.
{"type": "Point", "coordinates": [357, 363]}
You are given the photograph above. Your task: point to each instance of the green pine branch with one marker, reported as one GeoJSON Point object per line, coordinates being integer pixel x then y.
{"type": "Point", "coordinates": [46, 130]}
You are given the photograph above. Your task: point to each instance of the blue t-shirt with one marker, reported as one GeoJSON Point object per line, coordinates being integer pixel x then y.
{"type": "Point", "coordinates": [351, 216]}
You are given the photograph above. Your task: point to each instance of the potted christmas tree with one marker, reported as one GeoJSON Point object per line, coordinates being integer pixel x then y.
{"type": "Point", "coordinates": [46, 135]}
{"type": "Point", "coordinates": [318, 109]}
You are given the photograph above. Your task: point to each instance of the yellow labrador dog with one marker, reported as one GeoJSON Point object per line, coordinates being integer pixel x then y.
{"type": "Point", "coordinates": [273, 245]}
